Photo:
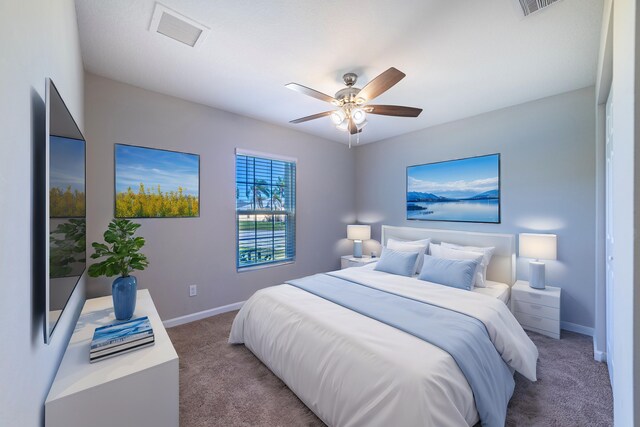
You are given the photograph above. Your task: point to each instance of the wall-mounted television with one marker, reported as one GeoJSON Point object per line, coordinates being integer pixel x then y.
{"type": "Point", "coordinates": [65, 217]}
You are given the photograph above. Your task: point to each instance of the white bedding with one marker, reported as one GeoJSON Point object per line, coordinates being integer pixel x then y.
{"type": "Point", "coordinates": [498, 290]}
{"type": "Point", "coordinates": [351, 370]}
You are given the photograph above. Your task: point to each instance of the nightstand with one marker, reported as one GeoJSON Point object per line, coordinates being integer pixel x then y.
{"type": "Point", "coordinates": [349, 261]}
{"type": "Point", "coordinates": [537, 310]}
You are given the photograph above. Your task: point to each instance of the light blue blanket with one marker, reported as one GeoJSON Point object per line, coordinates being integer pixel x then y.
{"type": "Point", "coordinates": [463, 337]}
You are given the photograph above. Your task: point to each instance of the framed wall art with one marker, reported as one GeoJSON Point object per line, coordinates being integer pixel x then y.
{"type": "Point", "coordinates": [462, 190]}
{"type": "Point", "coordinates": [153, 183]}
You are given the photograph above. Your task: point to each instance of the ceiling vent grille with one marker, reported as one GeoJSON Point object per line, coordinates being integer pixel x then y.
{"type": "Point", "coordinates": [178, 27]}
{"type": "Point", "coordinates": [531, 6]}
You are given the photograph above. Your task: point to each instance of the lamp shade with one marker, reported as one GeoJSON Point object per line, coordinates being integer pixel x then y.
{"type": "Point", "coordinates": [358, 115]}
{"type": "Point", "coordinates": [539, 246]}
{"type": "Point", "coordinates": [337, 117]}
{"type": "Point", "coordinates": [358, 232]}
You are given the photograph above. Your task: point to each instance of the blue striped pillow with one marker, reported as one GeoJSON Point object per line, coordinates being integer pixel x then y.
{"type": "Point", "coordinates": [396, 262]}
{"type": "Point", "coordinates": [456, 273]}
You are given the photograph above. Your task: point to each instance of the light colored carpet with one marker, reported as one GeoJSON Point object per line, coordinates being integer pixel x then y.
{"type": "Point", "coordinates": [225, 385]}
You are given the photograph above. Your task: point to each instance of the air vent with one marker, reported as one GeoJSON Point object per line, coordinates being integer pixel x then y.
{"type": "Point", "coordinates": [178, 27]}
{"type": "Point", "coordinates": [532, 6]}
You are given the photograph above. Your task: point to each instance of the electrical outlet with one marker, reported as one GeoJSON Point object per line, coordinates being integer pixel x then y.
{"type": "Point", "coordinates": [193, 290]}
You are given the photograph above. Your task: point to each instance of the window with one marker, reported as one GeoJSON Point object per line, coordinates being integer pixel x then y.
{"type": "Point", "coordinates": [265, 209]}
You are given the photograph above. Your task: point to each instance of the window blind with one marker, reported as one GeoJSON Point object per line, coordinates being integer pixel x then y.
{"type": "Point", "coordinates": [265, 211]}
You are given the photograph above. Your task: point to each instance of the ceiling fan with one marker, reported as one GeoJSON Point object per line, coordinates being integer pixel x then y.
{"type": "Point", "coordinates": [353, 103]}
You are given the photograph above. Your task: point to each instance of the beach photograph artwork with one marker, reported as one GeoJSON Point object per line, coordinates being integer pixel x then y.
{"type": "Point", "coordinates": [153, 183]}
{"type": "Point", "coordinates": [466, 190]}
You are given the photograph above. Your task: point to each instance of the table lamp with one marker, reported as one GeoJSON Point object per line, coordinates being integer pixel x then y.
{"type": "Point", "coordinates": [538, 246]}
{"type": "Point", "coordinates": [358, 233]}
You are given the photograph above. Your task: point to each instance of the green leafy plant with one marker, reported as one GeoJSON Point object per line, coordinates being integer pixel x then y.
{"type": "Point", "coordinates": [121, 249]}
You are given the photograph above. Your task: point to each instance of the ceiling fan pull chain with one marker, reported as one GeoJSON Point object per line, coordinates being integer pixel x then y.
{"type": "Point", "coordinates": [358, 139]}
{"type": "Point", "coordinates": [349, 140]}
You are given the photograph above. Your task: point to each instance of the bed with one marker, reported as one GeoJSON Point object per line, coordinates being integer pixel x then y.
{"type": "Point", "coordinates": [353, 370]}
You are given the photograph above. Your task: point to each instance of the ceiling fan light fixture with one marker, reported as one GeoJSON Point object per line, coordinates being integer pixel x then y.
{"type": "Point", "coordinates": [337, 117]}
{"type": "Point", "coordinates": [358, 115]}
{"type": "Point", "coordinates": [352, 104]}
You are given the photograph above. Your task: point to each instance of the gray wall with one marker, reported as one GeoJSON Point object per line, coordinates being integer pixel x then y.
{"type": "Point", "coordinates": [202, 250]}
{"type": "Point", "coordinates": [38, 39]}
{"type": "Point", "coordinates": [547, 152]}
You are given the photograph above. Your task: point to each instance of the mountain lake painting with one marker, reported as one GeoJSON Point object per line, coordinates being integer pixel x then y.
{"type": "Point", "coordinates": [465, 190]}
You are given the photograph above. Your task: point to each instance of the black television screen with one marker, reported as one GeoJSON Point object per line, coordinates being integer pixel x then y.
{"type": "Point", "coordinates": [65, 204]}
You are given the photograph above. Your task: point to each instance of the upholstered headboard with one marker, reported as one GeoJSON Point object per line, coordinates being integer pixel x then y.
{"type": "Point", "coordinates": [502, 267]}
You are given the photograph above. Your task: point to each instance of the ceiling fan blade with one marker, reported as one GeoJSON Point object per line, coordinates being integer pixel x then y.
{"type": "Point", "coordinates": [353, 129]}
{"type": "Point", "coordinates": [381, 84]}
{"type": "Point", "coordinates": [311, 92]}
{"type": "Point", "coordinates": [393, 110]}
{"type": "Point", "coordinates": [313, 117]}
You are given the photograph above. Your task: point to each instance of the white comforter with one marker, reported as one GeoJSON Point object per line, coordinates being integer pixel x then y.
{"type": "Point", "coordinates": [351, 370]}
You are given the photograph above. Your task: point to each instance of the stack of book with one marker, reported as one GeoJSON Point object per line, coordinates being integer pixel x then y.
{"type": "Point", "coordinates": [119, 338]}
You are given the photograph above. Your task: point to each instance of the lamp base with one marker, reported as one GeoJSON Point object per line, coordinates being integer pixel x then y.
{"type": "Point", "coordinates": [536, 275]}
{"type": "Point", "coordinates": [357, 248]}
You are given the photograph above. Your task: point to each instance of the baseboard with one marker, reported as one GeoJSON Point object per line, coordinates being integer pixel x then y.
{"type": "Point", "coordinates": [572, 327]}
{"type": "Point", "coordinates": [170, 323]}
{"type": "Point", "coordinates": [599, 356]}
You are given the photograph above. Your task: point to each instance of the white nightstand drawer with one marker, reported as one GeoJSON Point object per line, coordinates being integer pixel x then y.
{"type": "Point", "coordinates": [548, 325]}
{"type": "Point", "coordinates": [349, 261]}
{"type": "Point", "coordinates": [536, 310]}
{"type": "Point", "coordinates": [535, 296]}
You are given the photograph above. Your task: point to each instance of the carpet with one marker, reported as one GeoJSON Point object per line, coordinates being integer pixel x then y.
{"type": "Point", "coordinates": [226, 385]}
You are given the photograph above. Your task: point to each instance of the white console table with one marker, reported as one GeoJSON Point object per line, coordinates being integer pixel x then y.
{"type": "Point", "coordinates": [134, 389]}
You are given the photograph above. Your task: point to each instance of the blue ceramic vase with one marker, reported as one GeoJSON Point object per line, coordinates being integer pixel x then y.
{"type": "Point", "coordinates": [124, 291]}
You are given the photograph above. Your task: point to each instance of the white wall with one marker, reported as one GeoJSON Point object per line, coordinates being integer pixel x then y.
{"type": "Point", "coordinates": [38, 39]}
{"type": "Point", "coordinates": [547, 152]}
{"type": "Point", "coordinates": [626, 215]}
{"type": "Point", "coordinates": [201, 251]}
{"type": "Point", "coordinates": [600, 328]}
{"type": "Point", "coordinates": [603, 87]}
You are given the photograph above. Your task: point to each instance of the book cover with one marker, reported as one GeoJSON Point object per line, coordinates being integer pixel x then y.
{"type": "Point", "coordinates": [121, 346]}
{"type": "Point", "coordinates": [118, 333]}
{"type": "Point", "coordinates": [120, 341]}
{"type": "Point", "coordinates": [119, 352]}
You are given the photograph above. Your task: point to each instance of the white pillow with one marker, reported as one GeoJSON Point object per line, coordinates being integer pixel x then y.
{"type": "Point", "coordinates": [435, 250]}
{"type": "Point", "coordinates": [419, 246]}
{"type": "Point", "coordinates": [487, 253]}
{"type": "Point", "coordinates": [440, 251]}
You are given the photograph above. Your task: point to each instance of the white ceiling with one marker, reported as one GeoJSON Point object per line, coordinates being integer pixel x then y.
{"type": "Point", "coordinates": [461, 57]}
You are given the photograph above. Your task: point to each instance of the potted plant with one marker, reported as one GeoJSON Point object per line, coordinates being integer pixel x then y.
{"type": "Point", "coordinates": [122, 252]}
